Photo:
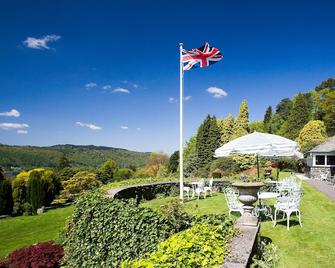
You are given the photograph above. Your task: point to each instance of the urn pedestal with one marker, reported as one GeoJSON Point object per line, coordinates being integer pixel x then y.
{"type": "Point", "coordinates": [248, 196]}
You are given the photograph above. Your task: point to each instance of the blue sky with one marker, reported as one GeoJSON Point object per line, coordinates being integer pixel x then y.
{"type": "Point", "coordinates": [103, 72]}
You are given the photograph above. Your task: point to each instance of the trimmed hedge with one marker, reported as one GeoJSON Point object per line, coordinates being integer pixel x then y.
{"type": "Point", "coordinates": [103, 232]}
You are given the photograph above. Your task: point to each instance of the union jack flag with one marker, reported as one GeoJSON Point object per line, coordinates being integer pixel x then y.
{"type": "Point", "coordinates": [200, 57]}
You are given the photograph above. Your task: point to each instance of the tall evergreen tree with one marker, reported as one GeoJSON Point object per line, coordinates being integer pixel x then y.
{"type": "Point", "coordinates": [6, 199]}
{"type": "Point", "coordinates": [35, 191]}
{"type": "Point", "coordinates": [241, 125]}
{"type": "Point", "coordinates": [283, 108]}
{"type": "Point", "coordinates": [173, 162]}
{"type": "Point", "coordinates": [62, 163]}
{"type": "Point", "coordinates": [299, 116]}
{"type": "Point", "coordinates": [208, 140]}
{"type": "Point", "coordinates": [312, 134]}
{"type": "Point", "coordinates": [226, 128]}
{"type": "Point", "coordinates": [267, 120]}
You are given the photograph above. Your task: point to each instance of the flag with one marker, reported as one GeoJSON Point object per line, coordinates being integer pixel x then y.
{"type": "Point", "coordinates": [200, 57]}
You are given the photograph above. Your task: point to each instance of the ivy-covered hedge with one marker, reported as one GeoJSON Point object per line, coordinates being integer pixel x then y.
{"type": "Point", "coordinates": [103, 232]}
{"type": "Point", "coordinates": [203, 245]}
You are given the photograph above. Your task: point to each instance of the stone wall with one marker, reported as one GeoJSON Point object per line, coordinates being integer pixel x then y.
{"type": "Point", "coordinates": [315, 172]}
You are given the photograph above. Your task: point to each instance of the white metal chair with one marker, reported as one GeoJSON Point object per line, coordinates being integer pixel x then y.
{"type": "Point", "coordinates": [209, 188]}
{"type": "Point", "coordinates": [232, 201]}
{"type": "Point", "coordinates": [200, 189]}
{"type": "Point", "coordinates": [187, 190]}
{"type": "Point", "coordinates": [288, 204]}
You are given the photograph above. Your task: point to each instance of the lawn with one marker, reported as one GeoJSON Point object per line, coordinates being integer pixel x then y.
{"type": "Point", "coordinates": [26, 230]}
{"type": "Point", "coordinates": [309, 246]}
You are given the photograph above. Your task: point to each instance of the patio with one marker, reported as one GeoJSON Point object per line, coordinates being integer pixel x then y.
{"type": "Point", "coordinates": [309, 246]}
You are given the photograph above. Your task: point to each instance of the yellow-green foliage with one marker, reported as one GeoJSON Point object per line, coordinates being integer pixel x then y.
{"type": "Point", "coordinates": [79, 183]}
{"type": "Point", "coordinates": [312, 134]}
{"type": "Point", "coordinates": [202, 245]}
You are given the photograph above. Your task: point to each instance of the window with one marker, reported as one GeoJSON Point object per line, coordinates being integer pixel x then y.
{"type": "Point", "coordinates": [331, 160]}
{"type": "Point", "coordinates": [320, 160]}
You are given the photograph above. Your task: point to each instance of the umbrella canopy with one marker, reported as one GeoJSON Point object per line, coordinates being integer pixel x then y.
{"type": "Point", "coordinates": [261, 144]}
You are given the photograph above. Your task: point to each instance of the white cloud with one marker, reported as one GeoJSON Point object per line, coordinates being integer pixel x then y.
{"type": "Point", "coordinates": [22, 132]}
{"type": "Point", "coordinates": [88, 125]}
{"type": "Point", "coordinates": [187, 98]}
{"type": "Point", "coordinates": [121, 90]}
{"type": "Point", "coordinates": [42, 42]}
{"type": "Point", "coordinates": [8, 126]}
{"type": "Point", "coordinates": [91, 85]}
{"type": "Point", "coordinates": [217, 92]}
{"type": "Point", "coordinates": [124, 127]}
{"type": "Point", "coordinates": [12, 112]}
{"type": "Point", "coordinates": [134, 85]}
{"type": "Point", "coordinates": [107, 87]}
{"type": "Point", "coordinates": [138, 129]}
{"type": "Point", "coordinates": [172, 100]}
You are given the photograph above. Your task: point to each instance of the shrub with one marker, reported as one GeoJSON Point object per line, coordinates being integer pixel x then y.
{"type": "Point", "coordinates": [106, 172]}
{"type": "Point", "coordinates": [213, 219]}
{"type": "Point", "coordinates": [19, 194]}
{"type": "Point", "coordinates": [266, 254]}
{"type": "Point", "coordinates": [79, 183]}
{"type": "Point", "coordinates": [46, 255]}
{"type": "Point", "coordinates": [173, 210]}
{"type": "Point", "coordinates": [6, 199]}
{"type": "Point", "coordinates": [123, 174]}
{"type": "Point", "coordinates": [203, 245]}
{"type": "Point", "coordinates": [103, 232]}
{"type": "Point", "coordinates": [227, 166]}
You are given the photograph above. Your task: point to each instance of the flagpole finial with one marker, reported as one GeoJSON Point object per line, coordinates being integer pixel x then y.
{"type": "Point", "coordinates": [181, 44]}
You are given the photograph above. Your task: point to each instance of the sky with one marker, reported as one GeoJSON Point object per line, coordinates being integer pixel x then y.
{"type": "Point", "coordinates": [107, 72]}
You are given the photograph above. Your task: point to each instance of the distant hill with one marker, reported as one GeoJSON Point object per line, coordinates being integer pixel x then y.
{"type": "Point", "coordinates": [80, 156]}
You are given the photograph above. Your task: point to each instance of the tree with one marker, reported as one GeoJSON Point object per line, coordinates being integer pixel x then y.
{"type": "Point", "coordinates": [6, 199]}
{"type": "Point", "coordinates": [79, 183]}
{"type": "Point", "coordinates": [327, 84]}
{"type": "Point", "coordinates": [241, 126]}
{"type": "Point", "coordinates": [62, 163]}
{"type": "Point", "coordinates": [267, 119]}
{"type": "Point", "coordinates": [190, 149]}
{"type": "Point", "coordinates": [328, 110]}
{"type": "Point", "coordinates": [173, 162]}
{"type": "Point", "coordinates": [106, 172]}
{"type": "Point", "coordinates": [299, 116]}
{"type": "Point", "coordinates": [256, 126]}
{"type": "Point", "coordinates": [312, 134]}
{"type": "Point", "coordinates": [35, 194]}
{"type": "Point", "coordinates": [283, 108]}
{"type": "Point", "coordinates": [226, 128]}
{"type": "Point", "coordinates": [157, 158]}
{"type": "Point", "coordinates": [123, 174]}
{"type": "Point", "coordinates": [208, 140]}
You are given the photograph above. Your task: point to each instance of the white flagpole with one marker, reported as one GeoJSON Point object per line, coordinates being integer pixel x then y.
{"type": "Point", "coordinates": [181, 99]}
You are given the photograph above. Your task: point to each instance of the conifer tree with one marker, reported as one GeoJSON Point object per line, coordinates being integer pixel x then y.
{"type": "Point", "coordinates": [226, 128]}
{"type": "Point", "coordinates": [299, 116]}
{"type": "Point", "coordinates": [35, 191]}
{"type": "Point", "coordinates": [241, 125]}
{"type": "Point", "coordinates": [267, 120]}
{"type": "Point", "coordinates": [312, 134]}
{"type": "Point", "coordinates": [6, 199]}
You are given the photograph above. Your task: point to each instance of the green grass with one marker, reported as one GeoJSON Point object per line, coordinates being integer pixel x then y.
{"type": "Point", "coordinates": [309, 246]}
{"type": "Point", "coordinates": [26, 230]}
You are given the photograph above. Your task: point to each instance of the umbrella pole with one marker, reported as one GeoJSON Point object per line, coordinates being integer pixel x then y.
{"type": "Point", "coordinates": [257, 165]}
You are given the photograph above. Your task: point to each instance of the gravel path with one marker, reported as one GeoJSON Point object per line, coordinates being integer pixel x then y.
{"type": "Point", "coordinates": [322, 186]}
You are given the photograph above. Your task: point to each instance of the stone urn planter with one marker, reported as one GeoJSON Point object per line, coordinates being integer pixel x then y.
{"type": "Point", "coordinates": [248, 196]}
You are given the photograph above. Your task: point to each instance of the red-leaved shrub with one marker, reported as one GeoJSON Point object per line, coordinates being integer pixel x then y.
{"type": "Point", "coordinates": [41, 255]}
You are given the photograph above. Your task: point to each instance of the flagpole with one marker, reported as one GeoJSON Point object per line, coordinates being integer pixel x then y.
{"type": "Point", "coordinates": [181, 99]}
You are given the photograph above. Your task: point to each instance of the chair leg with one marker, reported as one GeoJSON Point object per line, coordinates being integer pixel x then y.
{"type": "Point", "coordinates": [288, 220]}
{"type": "Point", "coordinates": [275, 220]}
{"type": "Point", "coordinates": [300, 218]}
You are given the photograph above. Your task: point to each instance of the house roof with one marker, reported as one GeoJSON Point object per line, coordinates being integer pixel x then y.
{"type": "Point", "coordinates": [325, 147]}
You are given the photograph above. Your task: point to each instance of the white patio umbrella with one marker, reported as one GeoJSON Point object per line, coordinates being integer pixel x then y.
{"type": "Point", "coordinates": [260, 144]}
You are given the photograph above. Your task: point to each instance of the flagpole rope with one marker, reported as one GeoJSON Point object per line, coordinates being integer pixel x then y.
{"type": "Point", "coordinates": [181, 98]}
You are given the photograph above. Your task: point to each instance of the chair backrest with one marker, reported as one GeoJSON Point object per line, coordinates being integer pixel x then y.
{"type": "Point", "coordinates": [211, 183]}
{"type": "Point", "coordinates": [201, 184]}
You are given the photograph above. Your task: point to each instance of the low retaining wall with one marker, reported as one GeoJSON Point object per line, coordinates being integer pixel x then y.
{"type": "Point", "coordinates": [149, 191]}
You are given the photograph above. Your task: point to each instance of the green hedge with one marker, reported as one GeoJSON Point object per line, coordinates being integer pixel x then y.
{"type": "Point", "coordinates": [103, 232]}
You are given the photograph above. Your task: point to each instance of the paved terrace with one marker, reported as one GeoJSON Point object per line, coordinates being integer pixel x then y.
{"type": "Point", "coordinates": [322, 186]}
